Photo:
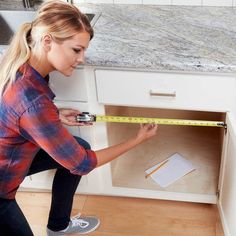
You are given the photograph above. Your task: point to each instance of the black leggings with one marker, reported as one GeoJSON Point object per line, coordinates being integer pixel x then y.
{"type": "Point", "coordinates": [13, 221]}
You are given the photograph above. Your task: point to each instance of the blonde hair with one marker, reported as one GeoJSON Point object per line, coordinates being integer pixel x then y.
{"type": "Point", "coordinates": [59, 19]}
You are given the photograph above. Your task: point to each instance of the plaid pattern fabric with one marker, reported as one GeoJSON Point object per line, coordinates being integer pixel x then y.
{"type": "Point", "coordinates": [29, 120]}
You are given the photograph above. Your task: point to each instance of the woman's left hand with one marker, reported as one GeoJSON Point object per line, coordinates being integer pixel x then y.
{"type": "Point", "coordinates": [68, 117]}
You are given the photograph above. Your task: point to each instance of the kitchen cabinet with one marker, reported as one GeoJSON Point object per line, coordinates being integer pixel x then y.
{"type": "Point", "coordinates": [183, 96]}
{"type": "Point", "coordinates": [203, 96]}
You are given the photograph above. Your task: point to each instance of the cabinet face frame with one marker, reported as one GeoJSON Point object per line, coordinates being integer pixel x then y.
{"type": "Point", "coordinates": [227, 195]}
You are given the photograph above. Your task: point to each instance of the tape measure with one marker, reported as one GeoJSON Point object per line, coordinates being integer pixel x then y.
{"type": "Point", "coordinates": [87, 117]}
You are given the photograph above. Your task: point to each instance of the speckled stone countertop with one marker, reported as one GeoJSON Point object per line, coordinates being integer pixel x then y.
{"type": "Point", "coordinates": [164, 38]}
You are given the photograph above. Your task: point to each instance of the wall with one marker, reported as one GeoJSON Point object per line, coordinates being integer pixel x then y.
{"type": "Point", "coordinates": [165, 2]}
{"type": "Point", "coordinates": [154, 2]}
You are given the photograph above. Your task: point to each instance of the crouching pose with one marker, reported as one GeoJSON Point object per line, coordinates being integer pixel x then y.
{"type": "Point", "coordinates": [32, 135]}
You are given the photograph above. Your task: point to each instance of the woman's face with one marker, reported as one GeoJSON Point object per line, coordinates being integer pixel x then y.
{"type": "Point", "coordinates": [66, 56]}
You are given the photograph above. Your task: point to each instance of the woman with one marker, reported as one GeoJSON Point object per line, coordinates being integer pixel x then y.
{"type": "Point", "coordinates": [32, 136]}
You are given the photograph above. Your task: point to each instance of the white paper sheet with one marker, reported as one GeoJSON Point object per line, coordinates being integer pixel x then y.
{"type": "Point", "coordinates": [176, 167]}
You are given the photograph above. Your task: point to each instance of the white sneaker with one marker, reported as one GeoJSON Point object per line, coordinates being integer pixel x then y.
{"type": "Point", "coordinates": [79, 225]}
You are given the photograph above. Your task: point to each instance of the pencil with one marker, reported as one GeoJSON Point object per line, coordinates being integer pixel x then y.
{"type": "Point", "coordinates": [156, 169]}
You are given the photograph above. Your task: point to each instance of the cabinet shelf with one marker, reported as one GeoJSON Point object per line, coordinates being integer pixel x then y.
{"type": "Point", "coordinates": [200, 145]}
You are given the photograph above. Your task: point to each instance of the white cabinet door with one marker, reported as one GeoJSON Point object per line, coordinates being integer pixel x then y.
{"type": "Point", "coordinates": [71, 88]}
{"type": "Point", "coordinates": [227, 199]}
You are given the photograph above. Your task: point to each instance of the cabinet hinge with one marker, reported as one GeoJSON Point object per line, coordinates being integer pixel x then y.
{"type": "Point", "coordinates": [218, 193]}
{"type": "Point", "coordinates": [225, 127]}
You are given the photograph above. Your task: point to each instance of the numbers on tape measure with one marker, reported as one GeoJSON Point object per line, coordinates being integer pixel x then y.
{"type": "Point", "coordinates": [123, 119]}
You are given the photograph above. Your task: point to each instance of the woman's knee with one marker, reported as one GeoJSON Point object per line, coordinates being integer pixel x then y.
{"type": "Point", "coordinates": [83, 143]}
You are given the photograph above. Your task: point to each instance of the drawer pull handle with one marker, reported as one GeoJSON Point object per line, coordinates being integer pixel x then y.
{"type": "Point", "coordinates": [162, 94]}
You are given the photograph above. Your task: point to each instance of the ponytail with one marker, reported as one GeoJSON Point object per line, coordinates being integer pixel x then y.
{"type": "Point", "coordinates": [16, 55]}
{"type": "Point", "coordinates": [59, 19]}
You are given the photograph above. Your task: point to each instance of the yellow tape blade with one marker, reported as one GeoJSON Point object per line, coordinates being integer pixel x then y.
{"type": "Point", "coordinates": [161, 121]}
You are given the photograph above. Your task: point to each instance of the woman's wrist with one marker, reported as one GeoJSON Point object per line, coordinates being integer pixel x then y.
{"type": "Point", "coordinates": [139, 139]}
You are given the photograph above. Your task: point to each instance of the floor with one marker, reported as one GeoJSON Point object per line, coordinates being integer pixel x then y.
{"type": "Point", "coordinates": [122, 216]}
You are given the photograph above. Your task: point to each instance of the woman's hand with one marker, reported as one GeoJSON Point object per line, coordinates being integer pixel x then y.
{"type": "Point", "coordinates": [68, 117]}
{"type": "Point", "coordinates": [146, 131]}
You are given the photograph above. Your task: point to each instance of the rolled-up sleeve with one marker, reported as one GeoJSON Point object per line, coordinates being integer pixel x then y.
{"type": "Point", "coordinates": [41, 125]}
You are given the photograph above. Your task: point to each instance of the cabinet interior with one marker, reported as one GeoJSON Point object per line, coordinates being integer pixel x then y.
{"type": "Point", "coordinates": [202, 146]}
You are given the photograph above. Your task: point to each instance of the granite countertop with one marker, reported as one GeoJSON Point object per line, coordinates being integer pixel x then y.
{"type": "Point", "coordinates": [164, 38]}
{"type": "Point", "coordinates": [18, 5]}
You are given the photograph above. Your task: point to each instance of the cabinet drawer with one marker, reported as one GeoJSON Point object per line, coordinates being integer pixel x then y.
{"type": "Point", "coordinates": [165, 90]}
{"type": "Point", "coordinates": [71, 88]}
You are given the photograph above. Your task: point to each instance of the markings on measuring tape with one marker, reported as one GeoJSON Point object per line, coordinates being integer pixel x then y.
{"type": "Point", "coordinates": [160, 121]}
{"type": "Point", "coordinates": [87, 117]}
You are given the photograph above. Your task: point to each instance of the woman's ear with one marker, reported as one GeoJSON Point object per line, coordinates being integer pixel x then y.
{"type": "Point", "coordinates": [47, 42]}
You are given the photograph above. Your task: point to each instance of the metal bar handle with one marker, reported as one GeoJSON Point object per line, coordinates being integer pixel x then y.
{"type": "Point", "coordinates": [162, 94]}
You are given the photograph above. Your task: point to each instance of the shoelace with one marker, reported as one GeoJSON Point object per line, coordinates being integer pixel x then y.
{"type": "Point", "coordinates": [76, 221]}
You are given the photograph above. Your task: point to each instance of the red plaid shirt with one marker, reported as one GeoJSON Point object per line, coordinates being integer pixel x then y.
{"type": "Point", "coordinates": [29, 120]}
